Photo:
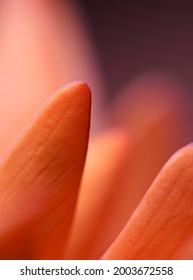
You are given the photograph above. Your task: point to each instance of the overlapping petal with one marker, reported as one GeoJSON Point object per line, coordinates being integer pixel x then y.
{"type": "Point", "coordinates": [44, 45]}
{"type": "Point", "coordinates": [164, 218]}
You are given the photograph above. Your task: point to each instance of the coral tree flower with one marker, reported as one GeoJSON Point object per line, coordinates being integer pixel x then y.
{"type": "Point", "coordinates": [59, 201]}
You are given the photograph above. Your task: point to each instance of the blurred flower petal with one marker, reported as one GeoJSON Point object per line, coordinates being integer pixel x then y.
{"type": "Point", "coordinates": [45, 164]}
{"type": "Point", "coordinates": [105, 167]}
{"type": "Point", "coordinates": [164, 218]}
{"type": "Point", "coordinates": [43, 45]}
{"type": "Point", "coordinates": [154, 112]}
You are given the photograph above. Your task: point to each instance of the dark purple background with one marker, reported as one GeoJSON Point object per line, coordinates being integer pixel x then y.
{"type": "Point", "coordinates": [133, 37]}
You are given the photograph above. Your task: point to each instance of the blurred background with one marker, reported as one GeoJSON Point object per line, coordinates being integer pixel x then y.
{"type": "Point", "coordinates": [47, 44]}
{"type": "Point", "coordinates": [132, 37]}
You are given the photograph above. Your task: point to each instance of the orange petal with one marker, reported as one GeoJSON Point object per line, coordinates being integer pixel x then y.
{"type": "Point", "coordinates": [43, 45]}
{"type": "Point", "coordinates": [185, 251]}
{"type": "Point", "coordinates": [16, 222]}
{"type": "Point", "coordinates": [153, 109]}
{"type": "Point", "coordinates": [105, 165]}
{"type": "Point", "coordinates": [45, 164]}
{"type": "Point", "coordinates": [164, 218]}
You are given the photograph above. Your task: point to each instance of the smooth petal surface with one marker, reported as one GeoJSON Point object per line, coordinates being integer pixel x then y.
{"type": "Point", "coordinates": [164, 218]}
{"type": "Point", "coordinates": [100, 188]}
{"type": "Point", "coordinates": [43, 45]}
{"type": "Point", "coordinates": [44, 166]}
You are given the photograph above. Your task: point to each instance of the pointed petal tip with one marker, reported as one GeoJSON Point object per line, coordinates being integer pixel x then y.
{"type": "Point", "coordinates": [78, 85]}
{"type": "Point", "coordinates": [77, 90]}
